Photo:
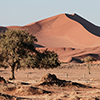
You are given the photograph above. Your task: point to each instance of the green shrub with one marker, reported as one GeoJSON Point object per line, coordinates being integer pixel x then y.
{"type": "Point", "coordinates": [48, 59]}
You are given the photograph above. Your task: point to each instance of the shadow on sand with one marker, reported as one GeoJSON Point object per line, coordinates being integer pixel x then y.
{"type": "Point", "coordinates": [38, 46]}
{"type": "Point", "coordinates": [86, 24]}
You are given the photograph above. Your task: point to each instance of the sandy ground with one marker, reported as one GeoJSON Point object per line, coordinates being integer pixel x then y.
{"type": "Point", "coordinates": [69, 72]}
{"type": "Point", "coordinates": [69, 36]}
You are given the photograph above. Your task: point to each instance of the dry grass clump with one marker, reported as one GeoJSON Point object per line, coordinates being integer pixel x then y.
{"type": "Point", "coordinates": [22, 90]}
{"type": "Point", "coordinates": [10, 97]}
{"type": "Point", "coordinates": [51, 80]}
{"type": "Point", "coordinates": [7, 97]}
{"type": "Point", "coordinates": [6, 88]}
{"type": "Point", "coordinates": [29, 90]}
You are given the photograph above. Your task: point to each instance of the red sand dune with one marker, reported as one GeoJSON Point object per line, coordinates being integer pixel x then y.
{"type": "Point", "coordinates": [63, 32]}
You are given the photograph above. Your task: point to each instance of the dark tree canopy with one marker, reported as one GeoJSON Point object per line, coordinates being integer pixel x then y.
{"type": "Point", "coordinates": [48, 59]}
{"type": "Point", "coordinates": [17, 50]}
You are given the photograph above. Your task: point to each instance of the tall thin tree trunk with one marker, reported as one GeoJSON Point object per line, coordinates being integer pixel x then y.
{"type": "Point", "coordinates": [12, 73]}
{"type": "Point", "coordinates": [89, 68]}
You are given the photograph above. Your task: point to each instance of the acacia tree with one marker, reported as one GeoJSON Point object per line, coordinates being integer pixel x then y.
{"type": "Point", "coordinates": [17, 50]}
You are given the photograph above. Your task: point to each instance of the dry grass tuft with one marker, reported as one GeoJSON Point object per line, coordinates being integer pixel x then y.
{"type": "Point", "coordinates": [52, 80]}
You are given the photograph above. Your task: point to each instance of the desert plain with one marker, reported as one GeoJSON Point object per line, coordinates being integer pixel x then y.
{"type": "Point", "coordinates": [27, 84]}
{"type": "Point", "coordinates": [72, 38]}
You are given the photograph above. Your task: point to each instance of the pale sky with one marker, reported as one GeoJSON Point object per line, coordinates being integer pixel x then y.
{"type": "Point", "coordinates": [23, 12]}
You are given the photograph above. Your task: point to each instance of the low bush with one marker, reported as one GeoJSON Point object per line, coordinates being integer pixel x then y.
{"type": "Point", "coordinates": [88, 59]}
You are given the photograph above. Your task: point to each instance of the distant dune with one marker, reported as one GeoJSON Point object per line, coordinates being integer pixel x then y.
{"type": "Point", "coordinates": [65, 31]}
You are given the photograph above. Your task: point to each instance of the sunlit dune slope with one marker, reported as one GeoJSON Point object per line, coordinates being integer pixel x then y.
{"type": "Point", "coordinates": [63, 31]}
{"type": "Point", "coordinates": [69, 35]}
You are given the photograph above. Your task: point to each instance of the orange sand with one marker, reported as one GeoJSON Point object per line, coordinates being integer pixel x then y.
{"type": "Point", "coordinates": [66, 31]}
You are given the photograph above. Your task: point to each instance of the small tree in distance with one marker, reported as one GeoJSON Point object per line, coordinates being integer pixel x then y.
{"type": "Point", "coordinates": [88, 60]}
{"type": "Point", "coordinates": [17, 51]}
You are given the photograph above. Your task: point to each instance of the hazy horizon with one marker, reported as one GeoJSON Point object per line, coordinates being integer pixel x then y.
{"type": "Point", "coordinates": [27, 11]}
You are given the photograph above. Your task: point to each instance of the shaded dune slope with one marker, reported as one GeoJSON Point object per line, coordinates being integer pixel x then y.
{"type": "Point", "coordinates": [61, 31]}
{"type": "Point", "coordinates": [86, 24]}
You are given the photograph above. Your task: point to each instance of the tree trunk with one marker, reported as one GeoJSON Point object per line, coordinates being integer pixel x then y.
{"type": "Point", "coordinates": [12, 73]}
{"type": "Point", "coordinates": [89, 68]}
